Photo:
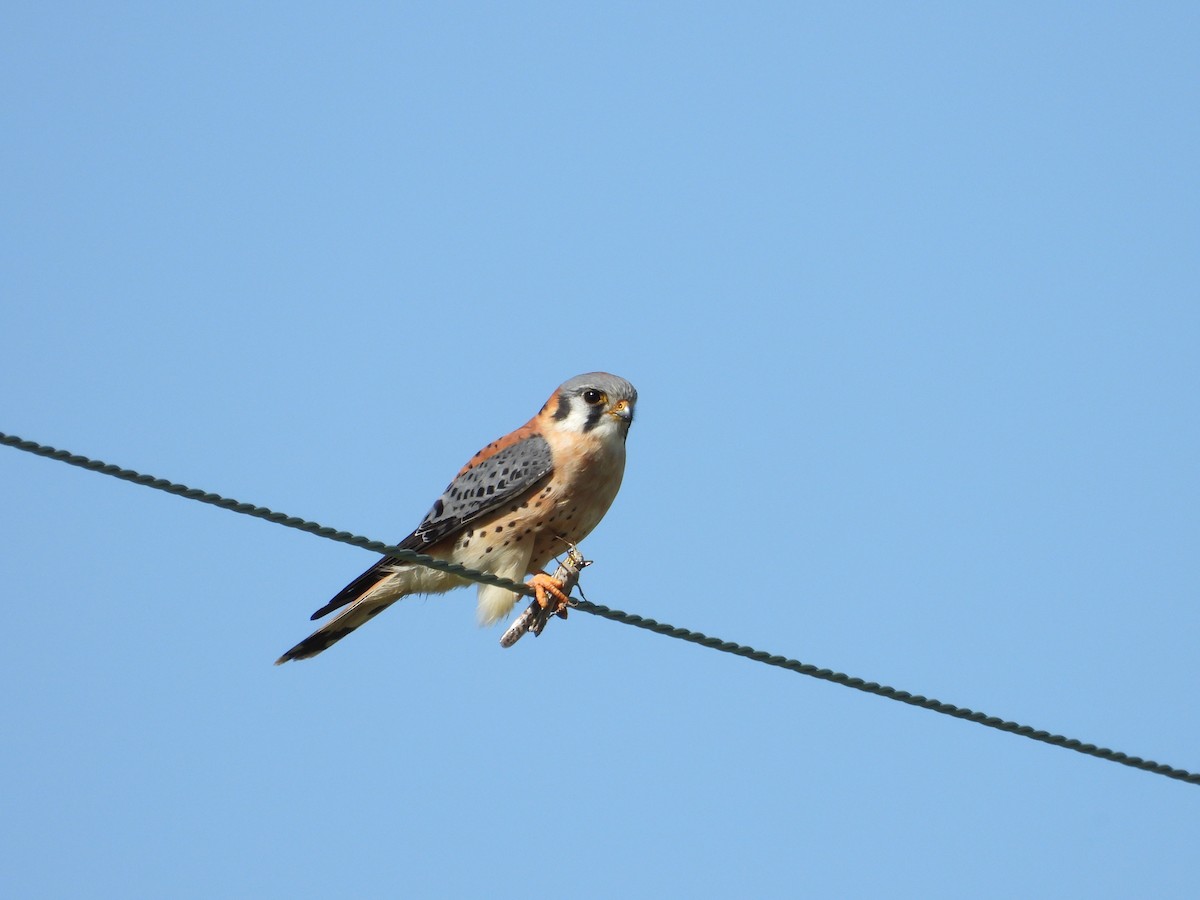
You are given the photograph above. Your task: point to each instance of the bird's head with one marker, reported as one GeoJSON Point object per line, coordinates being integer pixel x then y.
{"type": "Point", "coordinates": [597, 403]}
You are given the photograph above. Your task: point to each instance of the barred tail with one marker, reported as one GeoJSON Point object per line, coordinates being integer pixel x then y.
{"type": "Point", "coordinates": [358, 613]}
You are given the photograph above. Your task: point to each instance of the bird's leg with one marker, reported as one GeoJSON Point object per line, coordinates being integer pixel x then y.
{"type": "Point", "coordinates": [544, 585]}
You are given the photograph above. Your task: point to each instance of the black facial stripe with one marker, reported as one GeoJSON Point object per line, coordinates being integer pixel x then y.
{"type": "Point", "coordinates": [593, 417]}
{"type": "Point", "coordinates": [564, 407]}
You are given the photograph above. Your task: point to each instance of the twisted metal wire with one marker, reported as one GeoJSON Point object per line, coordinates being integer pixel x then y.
{"type": "Point", "coordinates": [605, 612]}
{"type": "Point", "coordinates": [260, 512]}
{"type": "Point", "coordinates": [883, 690]}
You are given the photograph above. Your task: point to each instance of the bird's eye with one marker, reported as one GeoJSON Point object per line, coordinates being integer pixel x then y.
{"type": "Point", "coordinates": [592, 396]}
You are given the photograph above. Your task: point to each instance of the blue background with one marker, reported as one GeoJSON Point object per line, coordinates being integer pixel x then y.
{"type": "Point", "coordinates": [909, 292]}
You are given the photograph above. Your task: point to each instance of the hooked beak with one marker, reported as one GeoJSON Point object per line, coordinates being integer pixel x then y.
{"type": "Point", "coordinates": [622, 410]}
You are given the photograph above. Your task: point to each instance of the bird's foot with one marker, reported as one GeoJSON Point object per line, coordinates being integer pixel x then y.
{"type": "Point", "coordinates": [546, 587]}
{"type": "Point", "coordinates": [538, 613]}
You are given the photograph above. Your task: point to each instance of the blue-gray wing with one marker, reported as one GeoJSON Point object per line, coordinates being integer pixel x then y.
{"type": "Point", "coordinates": [482, 489]}
{"type": "Point", "coordinates": [501, 478]}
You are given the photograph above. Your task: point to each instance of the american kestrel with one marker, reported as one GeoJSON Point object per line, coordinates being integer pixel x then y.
{"type": "Point", "coordinates": [520, 501]}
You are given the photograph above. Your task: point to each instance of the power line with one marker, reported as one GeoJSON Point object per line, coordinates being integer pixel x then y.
{"type": "Point", "coordinates": [891, 693]}
{"type": "Point", "coordinates": [605, 612]}
{"type": "Point", "coordinates": [261, 512]}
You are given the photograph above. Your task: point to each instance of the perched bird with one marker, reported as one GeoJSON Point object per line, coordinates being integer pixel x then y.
{"type": "Point", "coordinates": [520, 501]}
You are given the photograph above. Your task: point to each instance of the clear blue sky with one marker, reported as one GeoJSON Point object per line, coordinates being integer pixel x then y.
{"type": "Point", "coordinates": [909, 292]}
